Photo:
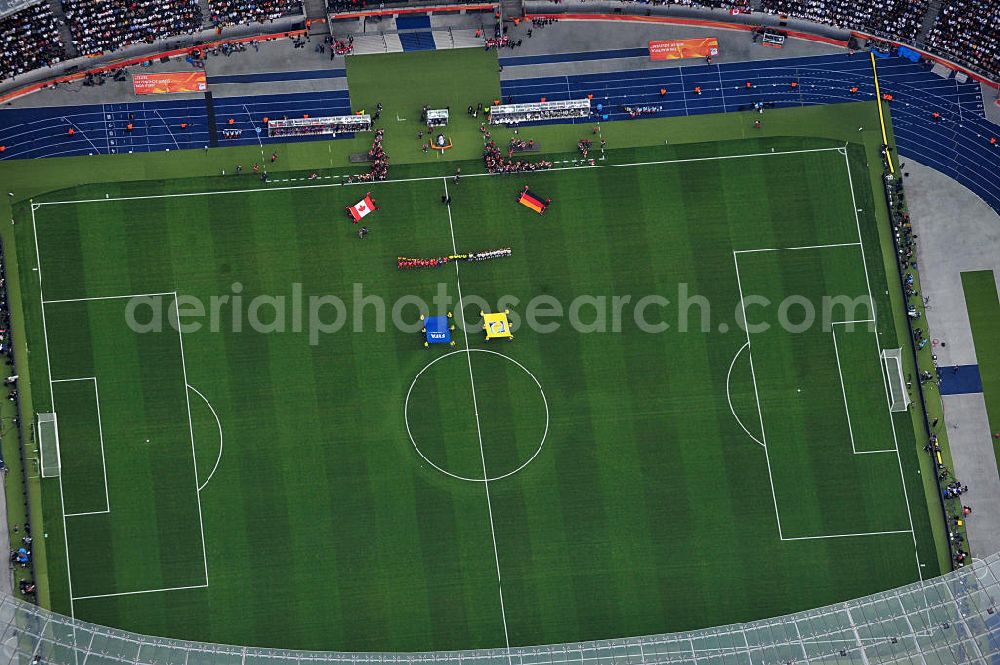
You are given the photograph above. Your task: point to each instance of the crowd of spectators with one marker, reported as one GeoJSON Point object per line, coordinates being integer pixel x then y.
{"type": "Point", "coordinates": [30, 39]}
{"type": "Point", "coordinates": [735, 6]}
{"type": "Point", "coordinates": [338, 6]}
{"type": "Point", "coordinates": [893, 19]}
{"type": "Point", "coordinates": [236, 12]}
{"type": "Point", "coordinates": [495, 162]}
{"type": "Point", "coordinates": [108, 25]}
{"type": "Point", "coordinates": [379, 161]}
{"type": "Point", "coordinates": [969, 31]}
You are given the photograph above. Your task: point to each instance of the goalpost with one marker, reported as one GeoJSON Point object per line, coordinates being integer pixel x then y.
{"type": "Point", "coordinates": [899, 396]}
{"type": "Point", "coordinates": [48, 445]}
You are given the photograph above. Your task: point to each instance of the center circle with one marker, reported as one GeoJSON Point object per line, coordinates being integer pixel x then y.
{"type": "Point", "coordinates": [461, 419]}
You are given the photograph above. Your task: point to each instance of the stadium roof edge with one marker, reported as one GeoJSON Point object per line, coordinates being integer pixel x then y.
{"type": "Point", "coordinates": [939, 617]}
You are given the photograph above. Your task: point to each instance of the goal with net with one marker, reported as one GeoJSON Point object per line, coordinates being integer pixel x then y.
{"type": "Point", "coordinates": [899, 396]}
{"type": "Point", "coordinates": [48, 445]}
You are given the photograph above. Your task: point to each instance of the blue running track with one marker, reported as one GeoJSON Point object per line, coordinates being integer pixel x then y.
{"type": "Point", "coordinates": [957, 145]}
{"type": "Point", "coordinates": [101, 128]}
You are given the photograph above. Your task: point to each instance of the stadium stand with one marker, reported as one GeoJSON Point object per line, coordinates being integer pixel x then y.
{"type": "Point", "coordinates": [893, 19]}
{"type": "Point", "coordinates": [236, 12]}
{"type": "Point", "coordinates": [735, 5]}
{"type": "Point", "coordinates": [969, 31]}
{"type": "Point", "coordinates": [30, 40]}
{"type": "Point", "coordinates": [338, 6]}
{"type": "Point", "coordinates": [99, 26]}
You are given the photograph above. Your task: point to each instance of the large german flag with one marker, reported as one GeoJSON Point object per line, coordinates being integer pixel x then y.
{"type": "Point", "coordinates": [533, 201]}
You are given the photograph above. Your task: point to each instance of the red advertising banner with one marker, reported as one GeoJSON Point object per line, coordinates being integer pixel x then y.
{"type": "Point", "coordinates": [156, 84]}
{"type": "Point", "coordinates": [674, 49]}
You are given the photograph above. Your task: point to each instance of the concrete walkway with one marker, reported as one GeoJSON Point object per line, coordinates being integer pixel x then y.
{"type": "Point", "coordinates": [957, 233]}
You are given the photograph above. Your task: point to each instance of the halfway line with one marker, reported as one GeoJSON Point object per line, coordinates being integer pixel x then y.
{"type": "Point", "coordinates": [479, 433]}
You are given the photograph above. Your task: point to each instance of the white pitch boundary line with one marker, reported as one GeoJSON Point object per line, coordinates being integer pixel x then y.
{"type": "Point", "coordinates": [851, 535]}
{"type": "Point", "coordinates": [126, 295]}
{"type": "Point", "coordinates": [144, 591]}
{"type": "Point", "coordinates": [715, 157]}
{"type": "Point", "coordinates": [878, 353]}
{"type": "Point", "coordinates": [790, 249]}
{"type": "Point", "coordinates": [472, 175]}
{"type": "Point", "coordinates": [194, 458]}
{"type": "Point", "coordinates": [217, 422]}
{"type": "Point", "coordinates": [52, 403]}
{"type": "Point", "coordinates": [479, 433]}
{"type": "Point", "coordinates": [425, 178]}
{"type": "Point", "coordinates": [368, 183]}
{"type": "Point", "coordinates": [100, 430]}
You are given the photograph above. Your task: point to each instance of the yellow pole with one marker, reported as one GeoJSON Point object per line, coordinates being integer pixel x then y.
{"type": "Point", "coordinates": [881, 116]}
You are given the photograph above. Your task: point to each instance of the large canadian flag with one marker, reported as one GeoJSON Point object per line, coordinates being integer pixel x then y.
{"type": "Point", "coordinates": [362, 208]}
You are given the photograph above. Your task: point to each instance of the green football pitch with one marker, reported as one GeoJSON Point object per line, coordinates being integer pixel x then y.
{"type": "Point", "coordinates": [634, 461]}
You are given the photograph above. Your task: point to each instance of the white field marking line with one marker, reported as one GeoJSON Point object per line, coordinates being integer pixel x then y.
{"type": "Point", "coordinates": [425, 178]}
{"type": "Point", "coordinates": [100, 429]}
{"type": "Point", "coordinates": [136, 593]}
{"type": "Point", "coordinates": [194, 459]}
{"type": "Point", "coordinates": [729, 397]}
{"type": "Point", "coordinates": [851, 535]}
{"type": "Point", "coordinates": [767, 455]}
{"type": "Point", "coordinates": [883, 372]}
{"type": "Point", "coordinates": [254, 125]}
{"type": "Point", "coordinates": [107, 134]}
{"type": "Point", "coordinates": [843, 390]}
{"type": "Point", "coordinates": [479, 433]}
{"type": "Point", "coordinates": [409, 433]}
{"type": "Point", "coordinates": [52, 402]}
{"type": "Point", "coordinates": [80, 129]}
{"type": "Point", "coordinates": [878, 353]}
{"type": "Point", "coordinates": [217, 422]}
{"type": "Point", "coordinates": [368, 183]}
{"type": "Point", "coordinates": [48, 363]}
{"type": "Point", "coordinates": [790, 249]}
{"type": "Point", "coordinates": [167, 127]}
{"type": "Point", "coordinates": [125, 295]}
{"type": "Point", "coordinates": [683, 88]}
{"type": "Point", "coordinates": [722, 87]}
{"type": "Point", "coordinates": [756, 393]}
{"type": "Point", "coordinates": [861, 243]}
{"type": "Point", "coordinates": [708, 159]}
